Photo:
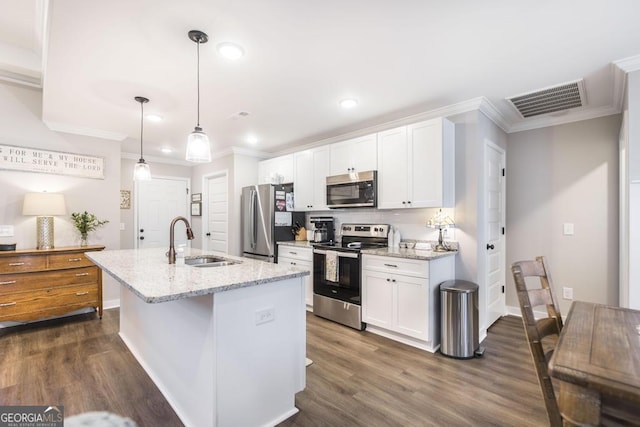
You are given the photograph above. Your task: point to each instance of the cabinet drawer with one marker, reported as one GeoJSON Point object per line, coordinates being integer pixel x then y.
{"type": "Point", "coordinates": [71, 260]}
{"type": "Point", "coordinates": [16, 264]}
{"type": "Point", "coordinates": [21, 282]}
{"type": "Point", "coordinates": [296, 263]}
{"type": "Point", "coordinates": [47, 299]}
{"type": "Point", "coordinates": [394, 265]}
{"type": "Point", "coordinates": [304, 254]}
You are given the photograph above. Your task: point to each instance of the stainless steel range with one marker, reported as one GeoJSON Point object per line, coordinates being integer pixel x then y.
{"type": "Point", "coordinates": [337, 282]}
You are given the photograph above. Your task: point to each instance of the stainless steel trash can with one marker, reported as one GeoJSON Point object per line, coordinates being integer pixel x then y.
{"type": "Point", "coordinates": [459, 318]}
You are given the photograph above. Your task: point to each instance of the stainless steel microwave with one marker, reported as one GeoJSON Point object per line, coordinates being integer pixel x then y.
{"type": "Point", "coordinates": [352, 190]}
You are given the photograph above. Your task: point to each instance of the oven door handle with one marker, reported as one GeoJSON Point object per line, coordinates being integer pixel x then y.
{"type": "Point", "coordinates": [340, 254]}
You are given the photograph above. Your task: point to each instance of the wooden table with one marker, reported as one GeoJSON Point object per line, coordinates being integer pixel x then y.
{"type": "Point", "coordinates": [597, 359]}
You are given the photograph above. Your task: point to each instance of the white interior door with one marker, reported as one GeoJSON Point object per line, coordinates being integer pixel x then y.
{"type": "Point", "coordinates": [494, 226]}
{"type": "Point", "coordinates": [217, 230]}
{"type": "Point", "coordinates": [158, 201]}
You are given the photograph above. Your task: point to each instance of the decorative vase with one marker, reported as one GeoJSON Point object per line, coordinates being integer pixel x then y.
{"type": "Point", "coordinates": [83, 239]}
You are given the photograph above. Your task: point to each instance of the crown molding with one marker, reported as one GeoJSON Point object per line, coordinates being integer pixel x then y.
{"type": "Point", "coordinates": [629, 64]}
{"type": "Point", "coordinates": [214, 155]}
{"type": "Point", "coordinates": [585, 114]}
{"type": "Point", "coordinates": [77, 130]}
{"type": "Point", "coordinates": [156, 159]}
{"type": "Point", "coordinates": [493, 114]}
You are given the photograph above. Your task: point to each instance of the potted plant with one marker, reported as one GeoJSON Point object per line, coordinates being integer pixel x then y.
{"type": "Point", "coordinates": [86, 222]}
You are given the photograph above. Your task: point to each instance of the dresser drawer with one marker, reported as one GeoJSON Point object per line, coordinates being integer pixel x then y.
{"type": "Point", "coordinates": [16, 264]}
{"type": "Point", "coordinates": [68, 261]}
{"type": "Point", "coordinates": [21, 282]}
{"type": "Point", "coordinates": [50, 299]}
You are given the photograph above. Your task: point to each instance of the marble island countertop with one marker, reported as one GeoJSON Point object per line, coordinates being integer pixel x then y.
{"type": "Point", "coordinates": [147, 273]}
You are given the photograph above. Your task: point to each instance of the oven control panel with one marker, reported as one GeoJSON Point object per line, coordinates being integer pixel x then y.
{"type": "Point", "coordinates": [365, 230]}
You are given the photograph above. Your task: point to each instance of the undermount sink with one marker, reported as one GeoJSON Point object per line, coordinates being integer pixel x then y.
{"type": "Point", "coordinates": [209, 261]}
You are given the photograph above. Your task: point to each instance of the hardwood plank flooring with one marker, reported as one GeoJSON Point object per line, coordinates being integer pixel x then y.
{"type": "Point", "coordinates": [357, 378]}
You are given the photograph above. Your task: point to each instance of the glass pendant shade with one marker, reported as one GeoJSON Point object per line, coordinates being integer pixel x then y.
{"type": "Point", "coordinates": [198, 147]}
{"type": "Point", "coordinates": [141, 171]}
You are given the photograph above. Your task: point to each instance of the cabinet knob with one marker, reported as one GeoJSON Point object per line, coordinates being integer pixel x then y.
{"type": "Point", "coordinates": [142, 230]}
{"type": "Point", "coordinates": [490, 246]}
{"type": "Point", "coordinates": [404, 203]}
{"type": "Point", "coordinates": [208, 234]}
{"type": "Point", "coordinates": [388, 280]}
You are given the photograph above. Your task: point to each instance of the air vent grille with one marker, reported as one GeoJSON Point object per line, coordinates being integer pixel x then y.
{"type": "Point", "coordinates": [550, 100]}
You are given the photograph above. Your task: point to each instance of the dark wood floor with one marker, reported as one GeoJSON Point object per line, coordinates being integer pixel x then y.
{"type": "Point", "coordinates": [357, 378]}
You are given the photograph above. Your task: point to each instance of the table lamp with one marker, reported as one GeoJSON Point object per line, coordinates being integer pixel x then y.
{"type": "Point", "coordinates": [440, 221]}
{"type": "Point", "coordinates": [44, 206]}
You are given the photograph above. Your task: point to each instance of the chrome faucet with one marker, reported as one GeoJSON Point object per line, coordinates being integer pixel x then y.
{"type": "Point", "coordinates": [172, 249]}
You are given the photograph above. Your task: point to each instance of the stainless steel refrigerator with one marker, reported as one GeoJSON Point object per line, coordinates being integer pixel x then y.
{"type": "Point", "coordinates": [267, 218]}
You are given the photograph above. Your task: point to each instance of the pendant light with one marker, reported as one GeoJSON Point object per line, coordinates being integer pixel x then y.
{"type": "Point", "coordinates": [198, 148]}
{"type": "Point", "coordinates": [141, 171]}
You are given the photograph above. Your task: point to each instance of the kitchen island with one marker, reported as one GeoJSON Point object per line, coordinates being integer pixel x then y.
{"type": "Point", "coordinates": [225, 345]}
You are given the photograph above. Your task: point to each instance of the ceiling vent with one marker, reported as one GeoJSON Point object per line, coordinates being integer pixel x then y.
{"type": "Point", "coordinates": [550, 100]}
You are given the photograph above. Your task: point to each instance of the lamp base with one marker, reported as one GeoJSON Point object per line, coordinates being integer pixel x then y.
{"type": "Point", "coordinates": [45, 232]}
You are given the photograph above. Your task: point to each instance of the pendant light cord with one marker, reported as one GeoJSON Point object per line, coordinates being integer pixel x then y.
{"type": "Point", "coordinates": [198, 82]}
{"type": "Point", "coordinates": [141, 127]}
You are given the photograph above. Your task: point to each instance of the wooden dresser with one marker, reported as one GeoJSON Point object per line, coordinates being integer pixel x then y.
{"type": "Point", "coordinates": [36, 284]}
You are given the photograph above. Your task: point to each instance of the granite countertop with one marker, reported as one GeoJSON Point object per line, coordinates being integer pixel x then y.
{"type": "Point", "coordinates": [297, 243]}
{"type": "Point", "coordinates": [147, 273]}
{"type": "Point", "coordinates": [420, 254]}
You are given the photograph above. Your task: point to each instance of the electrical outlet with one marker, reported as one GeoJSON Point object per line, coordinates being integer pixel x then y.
{"type": "Point", "coordinates": [265, 315]}
{"type": "Point", "coordinates": [567, 293]}
{"type": "Point", "coordinates": [6, 230]}
{"type": "Point", "coordinates": [567, 229]}
{"type": "Point", "coordinates": [121, 226]}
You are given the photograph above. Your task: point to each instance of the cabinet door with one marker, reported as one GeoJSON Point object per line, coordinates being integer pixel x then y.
{"type": "Point", "coordinates": [268, 169]}
{"type": "Point", "coordinates": [308, 281]}
{"type": "Point", "coordinates": [303, 180]}
{"type": "Point", "coordinates": [411, 301]}
{"type": "Point", "coordinates": [340, 154]}
{"type": "Point", "coordinates": [319, 178]}
{"type": "Point", "coordinates": [425, 140]}
{"type": "Point", "coordinates": [365, 153]}
{"type": "Point", "coordinates": [393, 168]}
{"type": "Point", "coordinates": [377, 296]}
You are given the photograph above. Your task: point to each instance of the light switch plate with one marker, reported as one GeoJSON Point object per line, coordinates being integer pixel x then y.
{"type": "Point", "coordinates": [6, 231]}
{"type": "Point", "coordinates": [567, 228]}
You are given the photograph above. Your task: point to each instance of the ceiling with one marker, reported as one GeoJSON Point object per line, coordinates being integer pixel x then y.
{"type": "Point", "coordinates": [398, 59]}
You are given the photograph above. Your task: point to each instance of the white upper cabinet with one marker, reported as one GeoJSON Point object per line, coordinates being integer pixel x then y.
{"type": "Point", "coordinates": [269, 170]}
{"type": "Point", "coordinates": [311, 168]}
{"type": "Point", "coordinates": [416, 165]}
{"type": "Point", "coordinates": [354, 155]}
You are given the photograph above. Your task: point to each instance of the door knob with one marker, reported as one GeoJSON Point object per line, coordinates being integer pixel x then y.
{"type": "Point", "coordinates": [208, 234]}
{"type": "Point", "coordinates": [141, 237]}
{"type": "Point", "coordinates": [490, 246]}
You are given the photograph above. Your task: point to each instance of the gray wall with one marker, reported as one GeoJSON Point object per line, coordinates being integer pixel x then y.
{"type": "Point", "coordinates": [21, 125]}
{"type": "Point", "coordinates": [566, 174]}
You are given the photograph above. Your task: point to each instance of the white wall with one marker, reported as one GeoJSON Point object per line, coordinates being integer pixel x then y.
{"type": "Point", "coordinates": [21, 125]}
{"type": "Point", "coordinates": [566, 174]}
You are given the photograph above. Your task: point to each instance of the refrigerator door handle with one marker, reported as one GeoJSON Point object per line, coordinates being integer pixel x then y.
{"type": "Point", "coordinates": [254, 219]}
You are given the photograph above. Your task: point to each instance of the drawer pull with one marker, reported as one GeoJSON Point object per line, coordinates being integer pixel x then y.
{"type": "Point", "coordinates": [9, 282]}
{"type": "Point", "coordinates": [293, 253]}
{"type": "Point", "coordinates": [79, 294]}
{"type": "Point", "coordinates": [81, 274]}
{"type": "Point", "coordinates": [16, 264]}
{"type": "Point", "coordinates": [391, 265]}
{"type": "Point", "coordinates": [75, 259]}
{"type": "Point", "coordinates": [7, 304]}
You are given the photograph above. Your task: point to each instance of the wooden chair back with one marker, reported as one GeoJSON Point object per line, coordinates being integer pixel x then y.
{"type": "Point", "coordinates": [536, 330]}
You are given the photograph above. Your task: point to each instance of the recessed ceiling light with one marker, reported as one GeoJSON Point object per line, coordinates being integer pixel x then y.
{"type": "Point", "coordinates": [153, 117]}
{"type": "Point", "coordinates": [348, 103]}
{"type": "Point", "coordinates": [252, 139]}
{"type": "Point", "coordinates": [167, 150]}
{"type": "Point", "coordinates": [230, 50]}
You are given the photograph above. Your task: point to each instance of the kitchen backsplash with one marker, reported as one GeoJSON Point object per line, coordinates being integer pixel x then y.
{"type": "Point", "coordinates": [411, 222]}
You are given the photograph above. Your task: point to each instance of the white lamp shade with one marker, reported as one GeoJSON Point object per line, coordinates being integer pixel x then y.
{"type": "Point", "coordinates": [198, 147]}
{"type": "Point", "coordinates": [44, 204]}
{"type": "Point", "coordinates": [141, 171]}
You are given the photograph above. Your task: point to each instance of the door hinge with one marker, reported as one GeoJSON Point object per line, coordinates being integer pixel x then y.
{"type": "Point", "coordinates": [503, 231]}
{"type": "Point", "coordinates": [503, 289]}
{"type": "Point", "coordinates": [187, 191]}
{"type": "Point", "coordinates": [503, 172]}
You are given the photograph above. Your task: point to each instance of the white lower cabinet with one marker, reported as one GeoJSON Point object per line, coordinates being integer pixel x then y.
{"type": "Point", "coordinates": [401, 298]}
{"type": "Point", "coordinates": [303, 258]}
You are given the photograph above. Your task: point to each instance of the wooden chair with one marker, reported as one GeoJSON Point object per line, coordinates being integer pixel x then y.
{"type": "Point", "coordinates": [536, 330]}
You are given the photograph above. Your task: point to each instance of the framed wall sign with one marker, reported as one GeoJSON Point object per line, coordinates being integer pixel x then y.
{"type": "Point", "coordinates": [196, 209]}
{"type": "Point", "coordinates": [125, 199]}
{"type": "Point", "coordinates": [196, 197]}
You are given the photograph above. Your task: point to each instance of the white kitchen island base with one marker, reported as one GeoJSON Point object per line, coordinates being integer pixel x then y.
{"type": "Point", "coordinates": [232, 358]}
